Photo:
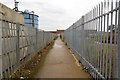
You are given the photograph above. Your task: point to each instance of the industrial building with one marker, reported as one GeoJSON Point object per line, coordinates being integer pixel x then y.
{"type": "Point", "coordinates": [30, 19]}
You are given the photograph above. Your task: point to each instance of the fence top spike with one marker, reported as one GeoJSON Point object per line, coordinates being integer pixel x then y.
{"type": "Point", "coordinates": [104, 0]}
{"type": "Point", "coordinates": [101, 2]}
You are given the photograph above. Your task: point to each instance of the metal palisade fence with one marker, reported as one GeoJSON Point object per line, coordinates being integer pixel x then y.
{"type": "Point", "coordinates": [95, 40]}
{"type": "Point", "coordinates": [18, 42]}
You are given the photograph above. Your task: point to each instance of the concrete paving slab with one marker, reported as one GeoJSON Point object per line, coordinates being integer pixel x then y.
{"type": "Point", "coordinates": [60, 63]}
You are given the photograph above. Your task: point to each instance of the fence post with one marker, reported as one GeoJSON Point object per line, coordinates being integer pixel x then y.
{"type": "Point", "coordinates": [36, 39]}
{"type": "Point", "coordinates": [83, 35]}
{"type": "Point", "coordinates": [83, 41]}
{"type": "Point", "coordinates": [118, 60]}
{"type": "Point", "coordinates": [17, 44]}
{"type": "Point", "coordinates": [0, 47]}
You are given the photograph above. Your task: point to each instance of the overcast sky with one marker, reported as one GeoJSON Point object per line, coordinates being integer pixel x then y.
{"type": "Point", "coordinates": [55, 14]}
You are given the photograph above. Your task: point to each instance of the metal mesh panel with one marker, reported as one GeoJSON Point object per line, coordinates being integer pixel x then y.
{"type": "Point", "coordinates": [30, 42]}
{"type": "Point", "coordinates": [17, 42]}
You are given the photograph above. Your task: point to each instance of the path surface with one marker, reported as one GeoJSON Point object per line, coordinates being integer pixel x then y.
{"type": "Point", "coordinates": [60, 63]}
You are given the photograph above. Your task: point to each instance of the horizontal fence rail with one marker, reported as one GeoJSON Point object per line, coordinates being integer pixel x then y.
{"type": "Point", "coordinates": [19, 43]}
{"type": "Point", "coordinates": [94, 39]}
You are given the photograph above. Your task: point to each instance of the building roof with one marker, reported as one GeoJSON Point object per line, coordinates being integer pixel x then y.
{"type": "Point", "coordinates": [60, 31]}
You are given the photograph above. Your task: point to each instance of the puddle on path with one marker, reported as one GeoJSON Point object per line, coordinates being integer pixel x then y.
{"type": "Point", "coordinates": [57, 46]}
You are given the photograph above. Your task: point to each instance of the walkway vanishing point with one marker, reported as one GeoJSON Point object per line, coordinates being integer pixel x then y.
{"type": "Point", "coordinates": [94, 38]}
{"type": "Point", "coordinates": [61, 63]}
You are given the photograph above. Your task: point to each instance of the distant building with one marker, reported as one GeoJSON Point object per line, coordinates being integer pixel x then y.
{"type": "Point", "coordinates": [60, 31]}
{"type": "Point", "coordinates": [53, 32]}
{"type": "Point", "coordinates": [61, 34]}
{"type": "Point", "coordinates": [57, 32]}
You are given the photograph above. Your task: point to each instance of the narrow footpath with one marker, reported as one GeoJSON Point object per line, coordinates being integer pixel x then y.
{"type": "Point", "coordinates": [61, 63]}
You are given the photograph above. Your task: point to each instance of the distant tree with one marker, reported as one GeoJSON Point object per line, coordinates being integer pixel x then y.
{"type": "Point", "coordinates": [111, 26]}
{"type": "Point", "coordinates": [112, 29]}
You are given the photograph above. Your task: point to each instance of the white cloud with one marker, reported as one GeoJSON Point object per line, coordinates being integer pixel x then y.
{"type": "Point", "coordinates": [55, 14]}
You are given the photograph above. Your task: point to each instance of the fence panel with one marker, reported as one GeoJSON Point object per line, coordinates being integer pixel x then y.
{"type": "Point", "coordinates": [18, 43]}
{"type": "Point", "coordinates": [94, 40]}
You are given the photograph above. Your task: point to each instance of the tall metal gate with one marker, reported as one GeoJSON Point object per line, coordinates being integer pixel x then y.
{"type": "Point", "coordinates": [94, 39]}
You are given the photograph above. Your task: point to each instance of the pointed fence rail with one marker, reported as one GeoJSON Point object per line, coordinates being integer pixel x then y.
{"type": "Point", "coordinates": [95, 40]}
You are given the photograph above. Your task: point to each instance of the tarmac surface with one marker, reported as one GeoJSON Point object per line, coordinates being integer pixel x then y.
{"type": "Point", "coordinates": [61, 63]}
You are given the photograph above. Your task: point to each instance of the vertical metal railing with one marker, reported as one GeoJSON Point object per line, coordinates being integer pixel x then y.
{"type": "Point", "coordinates": [17, 43]}
{"type": "Point", "coordinates": [0, 45]}
{"type": "Point", "coordinates": [118, 55]}
{"type": "Point", "coordinates": [97, 34]}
